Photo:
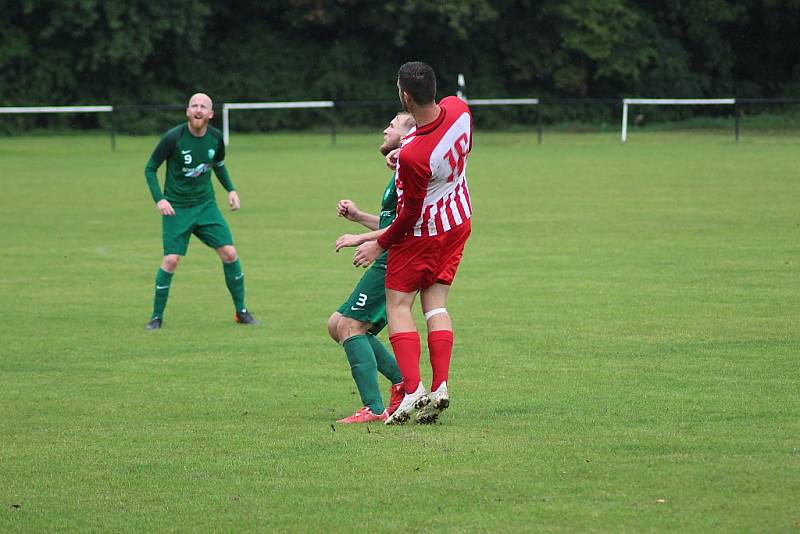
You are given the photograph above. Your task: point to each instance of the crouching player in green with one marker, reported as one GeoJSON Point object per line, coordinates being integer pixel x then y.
{"type": "Point", "coordinates": [188, 205]}
{"type": "Point", "coordinates": [356, 323]}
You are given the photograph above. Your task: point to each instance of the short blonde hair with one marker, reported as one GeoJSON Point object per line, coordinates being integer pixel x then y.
{"type": "Point", "coordinates": [408, 119]}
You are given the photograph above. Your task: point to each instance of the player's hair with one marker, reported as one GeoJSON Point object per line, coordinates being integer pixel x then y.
{"type": "Point", "coordinates": [408, 119]}
{"type": "Point", "coordinates": [418, 80]}
{"type": "Point", "coordinates": [201, 94]}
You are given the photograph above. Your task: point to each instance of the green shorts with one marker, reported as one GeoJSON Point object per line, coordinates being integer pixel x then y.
{"type": "Point", "coordinates": [367, 302]}
{"type": "Point", "coordinates": [204, 220]}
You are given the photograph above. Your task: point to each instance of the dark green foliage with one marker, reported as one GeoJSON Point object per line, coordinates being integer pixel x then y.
{"type": "Point", "coordinates": [159, 52]}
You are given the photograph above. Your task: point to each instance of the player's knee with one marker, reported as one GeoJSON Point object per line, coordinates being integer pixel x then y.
{"type": "Point", "coordinates": [430, 314]}
{"type": "Point", "coordinates": [333, 324]}
{"type": "Point", "coordinates": [349, 327]}
{"type": "Point", "coordinates": [170, 263]}
{"type": "Point", "coordinates": [227, 253]}
{"type": "Point", "coordinates": [438, 319]}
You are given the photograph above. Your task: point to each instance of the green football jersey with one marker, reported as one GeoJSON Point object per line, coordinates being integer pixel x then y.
{"type": "Point", "coordinates": [190, 160]}
{"type": "Point", "coordinates": [388, 210]}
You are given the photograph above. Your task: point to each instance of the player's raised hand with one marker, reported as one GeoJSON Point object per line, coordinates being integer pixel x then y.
{"type": "Point", "coordinates": [348, 240]}
{"type": "Point", "coordinates": [347, 209]}
{"type": "Point", "coordinates": [391, 159]}
{"type": "Point", "coordinates": [165, 208]}
{"type": "Point", "coordinates": [233, 200]}
{"type": "Point", "coordinates": [366, 253]}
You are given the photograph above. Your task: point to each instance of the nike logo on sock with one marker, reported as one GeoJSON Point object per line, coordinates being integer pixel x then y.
{"type": "Point", "coordinates": [162, 287]}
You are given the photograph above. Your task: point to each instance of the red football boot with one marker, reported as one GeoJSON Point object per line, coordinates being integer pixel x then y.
{"type": "Point", "coordinates": [397, 392]}
{"type": "Point", "coordinates": [364, 415]}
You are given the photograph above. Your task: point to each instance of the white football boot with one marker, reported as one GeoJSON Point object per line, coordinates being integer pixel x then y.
{"type": "Point", "coordinates": [439, 401]}
{"type": "Point", "coordinates": [411, 403]}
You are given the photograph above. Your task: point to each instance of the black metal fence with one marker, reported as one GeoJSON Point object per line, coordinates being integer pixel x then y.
{"type": "Point", "coordinates": [547, 114]}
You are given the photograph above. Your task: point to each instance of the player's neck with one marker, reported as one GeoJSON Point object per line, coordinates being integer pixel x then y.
{"type": "Point", "coordinates": [426, 114]}
{"type": "Point", "coordinates": [198, 132]}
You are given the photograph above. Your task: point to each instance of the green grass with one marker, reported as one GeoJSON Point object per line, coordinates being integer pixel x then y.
{"type": "Point", "coordinates": [626, 345]}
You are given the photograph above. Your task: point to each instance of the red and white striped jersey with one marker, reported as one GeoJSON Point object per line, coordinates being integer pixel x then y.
{"type": "Point", "coordinates": [431, 171]}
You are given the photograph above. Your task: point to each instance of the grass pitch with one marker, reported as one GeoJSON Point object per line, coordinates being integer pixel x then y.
{"type": "Point", "coordinates": [626, 345]}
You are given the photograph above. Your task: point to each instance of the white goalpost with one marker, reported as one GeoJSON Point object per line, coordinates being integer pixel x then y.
{"type": "Point", "coordinates": [500, 102]}
{"type": "Point", "coordinates": [669, 102]}
{"type": "Point", "coordinates": [58, 109]}
{"type": "Point", "coordinates": [310, 104]}
{"type": "Point", "coordinates": [8, 110]}
{"type": "Point", "coordinates": [492, 101]}
{"type": "Point", "coordinates": [316, 104]}
{"type": "Point", "coordinates": [510, 102]}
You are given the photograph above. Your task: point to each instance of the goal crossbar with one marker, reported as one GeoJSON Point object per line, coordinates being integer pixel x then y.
{"type": "Point", "coordinates": [308, 104]}
{"type": "Point", "coordinates": [502, 101]}
{"type": "Point", "coordinates": [669, 102]}
{"type": "Point", "coordinates": [58, 109]}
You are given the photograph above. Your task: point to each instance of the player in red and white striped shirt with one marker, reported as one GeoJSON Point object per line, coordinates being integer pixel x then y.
{"type": "Point", "coordinates": [426, 240]}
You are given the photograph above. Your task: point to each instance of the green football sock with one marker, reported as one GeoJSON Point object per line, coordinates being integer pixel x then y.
{"type": "Point", "coordinates": [163, 281]}
{"type": "Point", "coordinates": [365, 372]}
{"type": "Point", "coordinates": [234, 279]}
{"type": "Point", "coordinates": [387, 364]}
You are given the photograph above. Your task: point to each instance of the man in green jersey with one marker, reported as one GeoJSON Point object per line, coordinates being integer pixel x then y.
{"type": "Point", "coordinates": [188, 206]}
{"type": "Point", "coordinates": [356, 323]}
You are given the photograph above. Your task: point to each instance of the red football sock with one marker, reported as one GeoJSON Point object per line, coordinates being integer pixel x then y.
{"type": "Point", "coordinates": [407, 350]}
{"type": "Point", "coordinates": [440, 346]}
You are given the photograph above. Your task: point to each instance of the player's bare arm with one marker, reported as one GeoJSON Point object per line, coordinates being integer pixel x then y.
{"type": "Point", "coordinates": [349, 210]}
{"type": "Point", "coordinates": [354, 240]}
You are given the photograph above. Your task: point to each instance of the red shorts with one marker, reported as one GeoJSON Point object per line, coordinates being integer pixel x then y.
{"type": "Point", "coordinates": [419, 262]}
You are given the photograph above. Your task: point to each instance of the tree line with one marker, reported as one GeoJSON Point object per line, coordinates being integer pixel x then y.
{"type": "Point", "coordinates": [160, 51]}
